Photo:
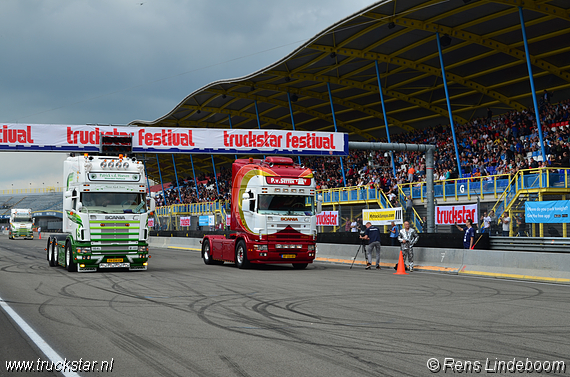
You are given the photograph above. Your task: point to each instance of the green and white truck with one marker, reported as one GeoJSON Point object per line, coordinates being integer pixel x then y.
{"type": "Point", "coordinates": [21, 224]}
{"type": "Point", "coordinates": [105, 215]}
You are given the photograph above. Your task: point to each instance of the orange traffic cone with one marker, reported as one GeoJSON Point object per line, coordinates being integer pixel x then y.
{"type": "Point", "coordinates": [40, 234]}
{"type": "Point", "coordinates": [401, 266]}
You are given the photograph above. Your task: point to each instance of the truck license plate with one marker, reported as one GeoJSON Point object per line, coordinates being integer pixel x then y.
{"type": "Point", "coordinates": [289, 256]}
{"type": "Point", "coordinates": [114, 260]}
{"type": "Point", "coordinates": [114, 265]}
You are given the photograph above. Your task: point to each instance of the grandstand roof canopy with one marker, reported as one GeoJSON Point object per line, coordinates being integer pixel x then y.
{"type": "Point", "coordinates": [485, 66]}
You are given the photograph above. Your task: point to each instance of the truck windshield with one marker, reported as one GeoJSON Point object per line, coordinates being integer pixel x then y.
{"type": "Point", "coordinates": [22, 219]}
{"type": "Point", "coordinates": [113, 202]}
{"type": "Point", "coordinates": [286, 205]}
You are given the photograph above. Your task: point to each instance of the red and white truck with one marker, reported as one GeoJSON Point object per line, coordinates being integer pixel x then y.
{"type": "Point", "coordinates": [272, 216]}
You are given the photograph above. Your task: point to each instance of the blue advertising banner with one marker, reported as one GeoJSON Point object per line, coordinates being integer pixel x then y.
{"type": "Point", "coordinates": [549, 212]}
{"type": "Point", "coordinates": [204, 220]}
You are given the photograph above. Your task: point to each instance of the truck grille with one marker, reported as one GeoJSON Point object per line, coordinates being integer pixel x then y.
{"type": "Point", "coordinates": [110, 237]}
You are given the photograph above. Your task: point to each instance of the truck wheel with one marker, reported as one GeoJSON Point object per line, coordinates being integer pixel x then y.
{"type": "Point", "coordinates": [69, 263]}
{"type": "Point", "coordinates": [50, 256]}
{"type": "Point", "coordinates": [54, 253]}
{"type": "Point", "coordinates": [241, 256]}
{"type": "Point", "coordinates": [300, 266]}
{"type": "Point", "coordinates": [206, 252]}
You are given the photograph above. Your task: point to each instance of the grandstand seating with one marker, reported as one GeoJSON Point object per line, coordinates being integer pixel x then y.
{"type": "Point", "coordinates": [37, 202]}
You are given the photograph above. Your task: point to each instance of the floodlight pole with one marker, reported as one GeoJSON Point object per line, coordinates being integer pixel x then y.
{"type": "Point", "coordinates": [429, 150]}
{"type": "Point", "coordinates": [176, 177]}
{"type": "Point", "coordinates": [532, 89]}
{"type": "Point", "coordinates": [160, 175]}
{"type": "Point", "coordinates": [334, 121]}
{"type": "Point", "coordinates": [292, 120]}
{"type": "Point", "coordinates": [448, 105]}
{"type": "Point", "coordinates": [215, 176]}
{"type": "Point", "coordinates": [231, 128]}
{"type": "Point", "coordinates": [194, 174]}
{"type": "Point", "coordinates": [257, 115]}
{"type": "Point", "coordinates": [146, 173]}
{"type": "Point", "coordinates": [384, 114]}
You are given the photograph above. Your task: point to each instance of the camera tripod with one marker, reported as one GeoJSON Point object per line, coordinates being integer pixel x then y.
{"type": "Point", "coordinates": [363, 247]}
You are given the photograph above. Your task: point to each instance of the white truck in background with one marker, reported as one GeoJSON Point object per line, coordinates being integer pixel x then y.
{"type": "Point", "coordinates": [105, 215]}
{"type": "Point", "coordinates": [21, 224]}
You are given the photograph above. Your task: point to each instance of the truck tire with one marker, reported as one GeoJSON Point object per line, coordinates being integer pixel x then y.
{"type": "Point", "coordinates": [241, 255]}
{"type": "Point", "coordinates": [206, 255]}
{"type": "Point", "coordinates": [55, 252]}
{"type": "Point", "coordinates": [69, 263]}
{"type": "Point", "coordinates": [300, 266]}
{"type": "Point", "coordinates": [50, 254]}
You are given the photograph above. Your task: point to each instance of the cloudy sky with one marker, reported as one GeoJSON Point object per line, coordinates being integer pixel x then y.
{"type": "Point", "coordinates": [114, 61]}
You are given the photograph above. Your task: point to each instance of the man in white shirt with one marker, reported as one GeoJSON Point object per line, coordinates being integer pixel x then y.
{"type": "Point", "coordinates": [354, 226]}
{"type": "Point", "coordinates": [486, 219]}
{"type": "Point", "coordinates": [505, 219]}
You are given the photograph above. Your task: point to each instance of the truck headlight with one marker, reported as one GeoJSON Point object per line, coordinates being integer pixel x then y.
{"type": "Point", "coordinates": [83, 249]}
{"type": "Point", "coordinates": [259, 247]}
{"type": "Point", "coordinates": [311, 248]}
{"type": "Point", "coordinates": [143, 249]}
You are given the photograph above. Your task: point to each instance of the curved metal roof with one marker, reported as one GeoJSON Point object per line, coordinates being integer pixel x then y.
{"type": "Point", "coordinates": [485, 67]}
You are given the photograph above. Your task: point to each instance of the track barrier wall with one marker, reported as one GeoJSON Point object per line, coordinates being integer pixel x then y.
{"type": "Point", "coordinates": [533, 266]}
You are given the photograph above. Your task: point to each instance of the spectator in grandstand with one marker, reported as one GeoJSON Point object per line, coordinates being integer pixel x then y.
{"type": "Point", "coordinates": [486, 223]}
{"type": "Point", "coordinates": [354, 226]}
{"type": "Point", "coordinates": [409, 208]}
{"type": "Point", "coordinates": [394, 231]}
{"type": "Point", "coordinates": [411, 172]}
{"type": "Point", "coordinates": [469, 234]}
{"type": "Point", "coordinates": [506, 220]}
{"type": "Point", "coordinates": [521, 226]}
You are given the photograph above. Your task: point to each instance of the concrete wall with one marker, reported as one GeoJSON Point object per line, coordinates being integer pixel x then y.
{"type": "Point", "coordinates": [536, 266]}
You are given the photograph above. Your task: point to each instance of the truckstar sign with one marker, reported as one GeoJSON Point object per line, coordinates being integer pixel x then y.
{"type": "Point", "coordinates": [86, 138]}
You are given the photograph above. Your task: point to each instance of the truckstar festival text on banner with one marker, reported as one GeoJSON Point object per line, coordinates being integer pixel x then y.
{"type": "Point", "coordinates": [68, 138]}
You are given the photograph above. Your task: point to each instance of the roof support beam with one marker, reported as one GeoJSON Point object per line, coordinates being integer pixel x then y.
{"type": "Point", "coordinates": [474, 38]}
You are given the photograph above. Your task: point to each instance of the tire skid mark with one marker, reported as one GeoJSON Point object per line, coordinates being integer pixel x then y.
{"type": "Point", "coordinates": [234, 366]}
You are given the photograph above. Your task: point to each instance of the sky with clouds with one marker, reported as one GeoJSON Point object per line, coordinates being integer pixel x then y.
{"type": "Point", "coordinates": [114, 61]}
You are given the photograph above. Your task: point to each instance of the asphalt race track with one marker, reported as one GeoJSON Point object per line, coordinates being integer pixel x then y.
{"type": "Point", "coordinates": [183, 318]}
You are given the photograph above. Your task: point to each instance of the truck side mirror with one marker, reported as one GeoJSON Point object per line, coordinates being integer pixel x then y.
{"type": "Point", "coordinates": [152, 205]}
{"type": "Point", "coordinates": [319, 204]}
{"type": "Point", "coordinates": [79, 206]}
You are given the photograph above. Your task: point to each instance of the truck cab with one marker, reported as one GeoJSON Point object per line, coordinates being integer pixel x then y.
{"type": "Point", "coordinates": [272, 216]}
{"type": "Point", "coordinates": [21, 224]}
{"type": "Point", "coordinates": [105, 220]}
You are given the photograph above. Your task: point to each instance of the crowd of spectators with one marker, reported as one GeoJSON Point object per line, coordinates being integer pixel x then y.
{"type": "Point", "coordinates": [207, 189]}
{"type": "Point", "coordinates": [486, 146]}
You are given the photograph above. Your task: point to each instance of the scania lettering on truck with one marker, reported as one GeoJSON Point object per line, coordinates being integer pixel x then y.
{"type": "Point", "coordinates": [21, 224]}
{"type": "Point", "coordinates": [105, 215]}
{"type": "Point", "coordinates": [272, 216]}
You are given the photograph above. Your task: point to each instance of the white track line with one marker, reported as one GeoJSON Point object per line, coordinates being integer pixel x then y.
{"type": "Point", "coordinates": [38, 340]}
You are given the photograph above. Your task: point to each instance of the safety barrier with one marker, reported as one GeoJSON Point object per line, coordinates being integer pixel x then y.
{"type": "Point", "coordinates": [534, 266]}
{"type": "Point", "coordinates": [523, 244]}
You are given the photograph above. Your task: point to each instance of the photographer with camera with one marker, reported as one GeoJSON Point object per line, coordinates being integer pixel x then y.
{"type": "Point", "coordinates": [372, 234]}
